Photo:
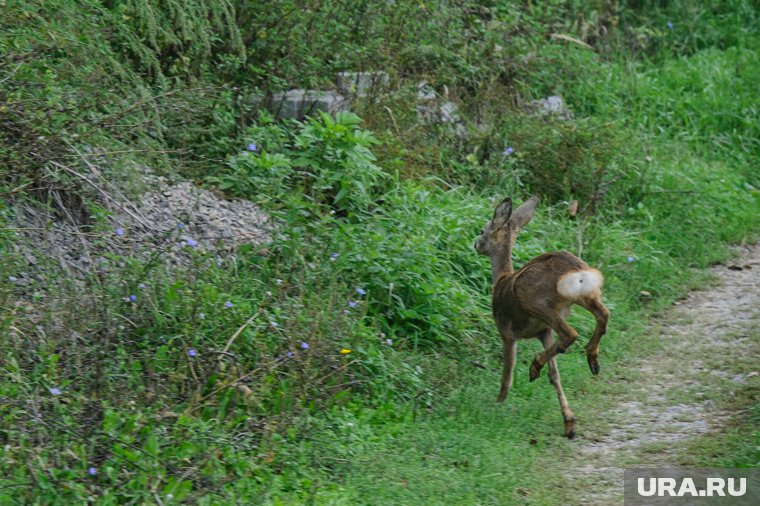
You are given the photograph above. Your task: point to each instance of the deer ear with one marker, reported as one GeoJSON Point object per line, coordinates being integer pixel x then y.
{"type": "Point", "coordinates": [524, 213]}
{"type": "Point", "coordinates": [502, 213]}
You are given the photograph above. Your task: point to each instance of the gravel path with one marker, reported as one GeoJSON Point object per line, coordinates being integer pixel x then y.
{"type": "Point", "coordinates": [710, 343]}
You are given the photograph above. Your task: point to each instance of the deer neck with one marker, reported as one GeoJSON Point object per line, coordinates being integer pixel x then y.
{"type": "Point", "coordinates": [501, 264]}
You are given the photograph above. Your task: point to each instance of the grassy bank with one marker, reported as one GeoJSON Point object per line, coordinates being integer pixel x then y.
{"type": "Point", "coordinates": [335, 365]}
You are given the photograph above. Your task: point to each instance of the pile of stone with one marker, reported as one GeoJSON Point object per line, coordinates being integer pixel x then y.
{"type": "Point", "coordinates": [173, 220]}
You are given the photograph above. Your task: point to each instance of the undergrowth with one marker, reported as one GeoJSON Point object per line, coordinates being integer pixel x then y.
{"type": "Point", "coordinates": [302, 371]}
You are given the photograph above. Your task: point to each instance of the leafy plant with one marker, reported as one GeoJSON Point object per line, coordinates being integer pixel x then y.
{"type": "Point", "coordinates": [338, 167]}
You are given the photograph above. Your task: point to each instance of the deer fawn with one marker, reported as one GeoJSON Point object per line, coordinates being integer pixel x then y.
{"type": "Point", "coordinates": [536, 300]}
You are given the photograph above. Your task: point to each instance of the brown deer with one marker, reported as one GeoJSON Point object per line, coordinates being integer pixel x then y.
{"type": "Point", "coordinates": [536, 300]}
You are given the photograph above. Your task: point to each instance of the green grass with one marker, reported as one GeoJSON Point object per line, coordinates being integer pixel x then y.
{"type": "Point", "coordinates": [661, 156]}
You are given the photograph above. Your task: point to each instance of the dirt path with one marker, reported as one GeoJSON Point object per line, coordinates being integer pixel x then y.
{"type": "Point", "coordinates": [709, 349]}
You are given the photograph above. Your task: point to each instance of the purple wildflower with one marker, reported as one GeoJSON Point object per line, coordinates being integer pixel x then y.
{"type": "Point", "coordinates": [290, 354]}
{"type": "Point", "coordinates": [389, 341]}
{"type": "Point", "coordinates": [509, 151]}
{"type": "Point", "coordinates": [55, 391]}
{"type": "Point", "coordinates": [133, 298]}
{"type": "Point", "coordinates": [12, 279]}
{"type": "Point", "coordinates": [670, 25]}
{"type": "Point", "coordinates": [119, 231]}
{"type": "Point", "coordinates": [334, 257]}
{"type": "Point", "coordinates": [274, 324]}
{"type": "Point", "coordinates": [352, 303]}
{"type": "Point", "coordinates": [304, 345]}
{"type": "Point", "coordinates": [361, 291]}
{"type": "Point", "coordinates": [252, 147]}
{"type": "Point", "coordinates": [92, 471]}
{"type": "Point", "coordinates": [631, 259]}
{"type": "Point", "coordinates": [180, 225]}
{"type": "Point", "coordinates": [142, 286]}
{"type": "Point", "coordinates": [202, 316]}
{"type": "Point", "coordinates": [192, 352]}
{"type": "Point", "coordinates": [192, 243]}
{"type": "Point", "coordinates": [228, 304]}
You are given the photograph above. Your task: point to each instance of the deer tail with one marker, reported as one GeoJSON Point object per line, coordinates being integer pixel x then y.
{"type": "Point", "coordinates": [577, 284]}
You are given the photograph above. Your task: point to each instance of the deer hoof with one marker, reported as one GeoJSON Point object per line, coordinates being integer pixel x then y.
{"type": "Point", "coordinates": [570, 428]}
{"type": "Point", "coordinates": [535, 370]}
{"type": "Point", "coordinates": [593, 364]}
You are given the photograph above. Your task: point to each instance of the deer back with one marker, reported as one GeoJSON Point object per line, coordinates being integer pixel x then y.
{"type": "Point", "coordinates": [548, 283]}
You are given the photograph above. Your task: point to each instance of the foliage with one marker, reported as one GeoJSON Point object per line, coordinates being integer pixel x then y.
{"type": "Point", "coordinates": [344, 350]}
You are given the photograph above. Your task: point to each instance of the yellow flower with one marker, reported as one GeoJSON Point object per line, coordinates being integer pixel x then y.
{"type": "Point", "coordinates": [345, 351]}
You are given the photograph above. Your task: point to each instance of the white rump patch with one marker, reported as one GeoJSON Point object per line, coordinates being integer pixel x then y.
{"type": "Point", "coordinates": [579, 283]}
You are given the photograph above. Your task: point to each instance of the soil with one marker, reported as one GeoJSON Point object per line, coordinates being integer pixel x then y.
{"type": "Point", "coordinates": [709, 349]}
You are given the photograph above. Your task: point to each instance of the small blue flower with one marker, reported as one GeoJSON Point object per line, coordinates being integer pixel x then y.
{"type": "Point", "coordinates": [202, 316]}
{"type": "Point", "coordinates": [142, 286]}
{"type": "Point", "coordinates": [352, 303]}
{"type": "Point", "coordinates": [119, 231]}
{"type": "Point", "coordinates": [508, 151]}
{"type": "Point", "coordinates": [274, 324]}
{"type": "Point", "coordinates": [55, 391]}
{"type": "Point", "coordinates": [334, 257]}
{"type": "Point", "coordinates": [389, 341]}
{"type": "Point", "coordinates": [361, 291]}
{"type": "Point", "coordinates": [228, 304]}
{"type": "Point", "coordinates": [133, 298]}
{"type": "Point", "coordinates": [92, 471]}
{"type": "Point", "coordinates": [192, 352]}
{"type": "Point", "coordinates": [252, 147]}
{"type": "Point", "coordinates": [630, 259]}
{"type": "Point", "coordinates": [12, 279]}
{"type": "Point", "coordinates": [670, 25]}
{"type": "Point", "coordinates": [290, 354]}
{"type": "Point", "coordinates": [192, 243]}
{"type": "Point", "coordinates": [304, 346]}
{"type": "Point", "coordinates": [180, 225]}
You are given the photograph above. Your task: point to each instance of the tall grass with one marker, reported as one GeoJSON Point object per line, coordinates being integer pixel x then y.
{"type": "Point", "coordinates": [344, 361]}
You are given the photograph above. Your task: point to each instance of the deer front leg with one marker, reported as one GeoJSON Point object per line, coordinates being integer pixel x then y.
{"type": "Point", "coordinates": [566, 337]}
{"type": "Point", "coordinates": [509, 356]}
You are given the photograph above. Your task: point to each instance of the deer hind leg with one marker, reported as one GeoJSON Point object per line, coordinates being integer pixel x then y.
{"type": "Point", "coordinates": [567, 336]}
{"type": "Point", "coordinates": [567, 413]}
{"type": "Point", "coordinates": [602, 315]}
{"type": "Point", "coordinates": [509, 356]}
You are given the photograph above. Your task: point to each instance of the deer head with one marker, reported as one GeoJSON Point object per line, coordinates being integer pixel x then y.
{"type": "Point", "coordinates": [499, 234]}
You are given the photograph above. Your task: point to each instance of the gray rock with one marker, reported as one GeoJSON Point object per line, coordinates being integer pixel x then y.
{"type": "Point", "coordinates": [361, 84]}
{"type": "Point", "coordinates": [551, 106]}
{"type": "Point", "coordinates": [425, 92]}
{"type": "Point", "coordinates": [299, 103]}
{"type": "Point", "coordinates": [449, 113]}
